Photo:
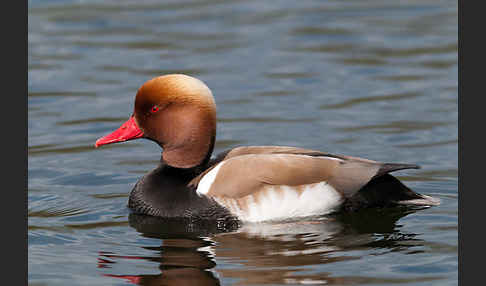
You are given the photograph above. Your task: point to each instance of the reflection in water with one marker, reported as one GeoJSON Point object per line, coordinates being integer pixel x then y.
{"type": "Point", "coordinates": [180, 265]}
{"type": "Point", "coordinates": [185, 257]}
{"type": "Point", "coordinates": [269, 252]}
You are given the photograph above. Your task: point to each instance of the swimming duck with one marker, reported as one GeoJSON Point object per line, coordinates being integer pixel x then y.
{"type": "Point", "coordinates": [249, 183]}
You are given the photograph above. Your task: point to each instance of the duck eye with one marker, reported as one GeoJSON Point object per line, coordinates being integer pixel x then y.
{"type": "Point", "coordinates": [155, 108]}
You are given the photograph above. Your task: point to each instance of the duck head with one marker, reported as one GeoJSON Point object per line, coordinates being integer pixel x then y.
{"type": "Point", "coordinates": [176, 111]}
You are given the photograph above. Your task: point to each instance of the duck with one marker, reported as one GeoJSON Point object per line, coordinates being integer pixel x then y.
{"type": "Point", "coordinates": [245, 183]}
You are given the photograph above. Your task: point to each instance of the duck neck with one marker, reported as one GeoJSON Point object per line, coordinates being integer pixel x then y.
{"type": "Point", "coordinates": [188, 137]}
{"type": "Point", "coordinates": [192, 155]}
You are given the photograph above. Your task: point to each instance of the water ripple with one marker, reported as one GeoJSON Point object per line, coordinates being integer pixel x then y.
{"type": "Point", "coordinates": [367, 99]}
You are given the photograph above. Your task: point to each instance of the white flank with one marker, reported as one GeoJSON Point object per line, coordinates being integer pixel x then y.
{"type": "Point", "coordinates": [283, 202]}
{"type": "Point", "coordinates": [208, 179]}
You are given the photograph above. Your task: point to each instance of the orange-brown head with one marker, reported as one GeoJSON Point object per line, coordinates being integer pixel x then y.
{"type": "Point", "coordinates": [176, 111]}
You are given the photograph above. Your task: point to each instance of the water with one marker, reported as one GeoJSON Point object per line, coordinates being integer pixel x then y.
{"type": "Point", "coordinates": [375, 79]}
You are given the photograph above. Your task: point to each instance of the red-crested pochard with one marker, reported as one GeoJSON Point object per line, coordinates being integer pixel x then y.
{"type": "Point", "coordinates": [253, 183]}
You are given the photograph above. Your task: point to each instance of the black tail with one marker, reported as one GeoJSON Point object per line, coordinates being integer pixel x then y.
{"type": "Point", "coordinates": [387, 190]}
{"type": "Point", "coordinates": [391, 167]}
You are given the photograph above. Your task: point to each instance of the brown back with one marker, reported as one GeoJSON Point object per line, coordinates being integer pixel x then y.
{"type": "Point", "coordinates": [246, 170]}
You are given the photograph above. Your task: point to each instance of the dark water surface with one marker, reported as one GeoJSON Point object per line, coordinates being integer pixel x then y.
{"type": "Point", "coordinates": [375, 79]}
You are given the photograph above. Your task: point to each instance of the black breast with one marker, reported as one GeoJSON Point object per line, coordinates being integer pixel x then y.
{"type": "Point", "coordinates": [164, 193]}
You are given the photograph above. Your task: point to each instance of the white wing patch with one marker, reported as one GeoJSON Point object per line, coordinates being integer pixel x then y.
{"type": "Point", "coordinates": [284, 202]}
{"type": "Point", "coordinates": [331, 158]}
{"type": "Point", "coordinates": [205, 184]}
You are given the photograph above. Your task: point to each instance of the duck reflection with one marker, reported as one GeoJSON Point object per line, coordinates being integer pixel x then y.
{"type": "Point", "coordinates": [185, 257]}
{"type": "Point", "coordinates": [263, 253]}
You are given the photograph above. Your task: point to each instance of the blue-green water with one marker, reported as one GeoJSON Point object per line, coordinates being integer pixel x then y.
{"type": "Point", "coordinates": [375, 79]}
